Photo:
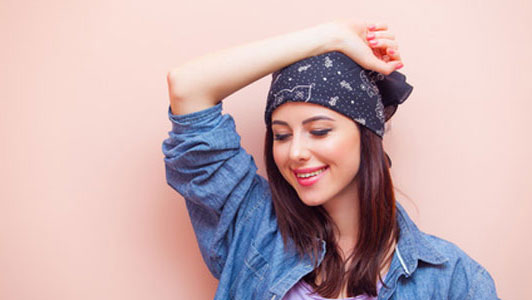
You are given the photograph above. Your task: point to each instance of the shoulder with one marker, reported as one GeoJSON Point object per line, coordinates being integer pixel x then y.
{"type": "Point", "coordinates": [452, 252]}
{"type": "Point", "coordinates": [467, 278]}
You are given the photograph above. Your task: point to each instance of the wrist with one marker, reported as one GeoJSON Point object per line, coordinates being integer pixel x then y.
{"type": "Point", "coordinates": [337, 34]}
{"type": "Point", "coordinates": [328, 38]}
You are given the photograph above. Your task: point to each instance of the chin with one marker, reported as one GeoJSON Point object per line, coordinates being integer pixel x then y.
{"type": "Point", "coordinates": [312, 201]}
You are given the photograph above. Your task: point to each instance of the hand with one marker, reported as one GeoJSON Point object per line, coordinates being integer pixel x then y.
{"type": "Point", "coordinates": [372, 46]}
{"type": "Point", "coordinates": [382, 42]}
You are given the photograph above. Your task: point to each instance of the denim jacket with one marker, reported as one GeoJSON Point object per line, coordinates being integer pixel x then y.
{"type": "Point", "coordinates": [231, 211]}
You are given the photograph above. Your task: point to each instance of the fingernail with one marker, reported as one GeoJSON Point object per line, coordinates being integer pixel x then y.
{"type": "Point", "coordinates": [370, 35]}
{"type": "Point", "coordinates": [371, 27]}
{"type": "Point", "coordinates": [391, 51]}
{"type": "Point", "coordinates": [373, 42]}
{"type": "Point", "coordinates": [399, 66]}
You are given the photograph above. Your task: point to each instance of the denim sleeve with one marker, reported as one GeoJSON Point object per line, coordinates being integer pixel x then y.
{"type": "Point", "coordinates": [482, 286]}
{"type": "Point", "coordinates": [206, 164]}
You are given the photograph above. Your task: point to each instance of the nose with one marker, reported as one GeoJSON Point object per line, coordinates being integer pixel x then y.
{"type": "Point", "coordinates": [298, 149]}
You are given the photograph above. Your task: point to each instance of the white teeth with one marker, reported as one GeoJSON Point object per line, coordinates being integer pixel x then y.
{"type": "Point", "coordinates": [306, 175]}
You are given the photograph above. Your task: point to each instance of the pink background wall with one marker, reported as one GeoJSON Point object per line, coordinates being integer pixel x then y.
{"type": "Point", "coordinates": [85, 212]}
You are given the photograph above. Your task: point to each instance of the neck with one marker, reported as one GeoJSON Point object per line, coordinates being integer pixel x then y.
{"type": "Point", "coordinates": [344, 211]}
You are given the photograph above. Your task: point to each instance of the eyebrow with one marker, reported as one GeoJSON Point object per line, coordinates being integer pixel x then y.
{"type": "Point", "coordinates": [312, 119]}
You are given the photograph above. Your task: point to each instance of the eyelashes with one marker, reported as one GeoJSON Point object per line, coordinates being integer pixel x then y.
{"type": "Point", "coordinates": [319, 133]}
{"type": "Point", "coordinates": [279, 137]}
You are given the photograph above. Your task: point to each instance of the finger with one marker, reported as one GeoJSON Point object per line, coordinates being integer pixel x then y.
{"type": "Point", "coordinates": [377, 26]}
{"type": "Point", "coordinates": [378, 54]}
{"type": "Point", "coordinates": [398, 65]}
{"type": "Point", "coordinates": [393, 54]}
{"type": "Point", "coordinates": [373, 61]}
{"type": "Point", "coordinates": [381, 66]}
{"type": "Point", "coordinates": [379, 35]}
{"type": "Point", "coordinates": [383, 35]}
{"type": "Point", "coordinates": [383, 43]}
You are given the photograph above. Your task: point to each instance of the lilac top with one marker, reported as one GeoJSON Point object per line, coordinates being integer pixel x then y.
{"type": "Point", "coordinates": [303, 291]}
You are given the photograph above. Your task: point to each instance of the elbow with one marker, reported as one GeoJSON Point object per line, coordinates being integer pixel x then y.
{"type": "Point", "coordinates": [186, 94]}
{"type": "Point", "coordinates": [181, 85]}
{"type": "Point", "coordinates": [174, 87]}
{"type": "Point", "coordinates": [175, 91]}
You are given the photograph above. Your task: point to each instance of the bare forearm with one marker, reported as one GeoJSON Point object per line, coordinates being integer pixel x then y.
{"type": "Point", "coordinates": [202, 82]}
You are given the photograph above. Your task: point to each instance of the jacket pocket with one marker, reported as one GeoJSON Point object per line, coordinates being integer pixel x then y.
{"type": "Point", "coordinates": [251, 281]}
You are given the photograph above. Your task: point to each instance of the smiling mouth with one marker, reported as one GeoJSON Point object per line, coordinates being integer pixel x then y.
{"type": "Point", "coordinates": [311, 174]}
{"type": "Point", "coordinates": [309, 179]}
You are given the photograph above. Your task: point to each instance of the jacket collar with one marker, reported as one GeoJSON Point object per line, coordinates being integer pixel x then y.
{"type": "Point", "coordinates": [298, 268]}
{"type": "Point", "coordinates": [413, 245]}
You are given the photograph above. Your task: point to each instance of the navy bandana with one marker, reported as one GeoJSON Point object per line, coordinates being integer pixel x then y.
{"type": "Point", "coordinates": [337, 82]}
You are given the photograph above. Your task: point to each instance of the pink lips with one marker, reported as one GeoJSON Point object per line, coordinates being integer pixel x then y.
{"type": "Point", "coordinates": [310, 180]}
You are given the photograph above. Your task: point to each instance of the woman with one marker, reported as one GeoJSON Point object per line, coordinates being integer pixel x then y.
{"type": "Point", "coordinates": [326, 224]}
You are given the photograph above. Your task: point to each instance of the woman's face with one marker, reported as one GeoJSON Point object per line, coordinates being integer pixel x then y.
{"type": "Point", "coordinates": [317, 150]}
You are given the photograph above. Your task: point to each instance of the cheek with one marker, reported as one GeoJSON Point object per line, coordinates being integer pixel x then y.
{"type": "Point", "coordinates": [343, 151]}
{"type": "Point", "coordinates": [275, 153]}
{"type": "Point", "coordinates": [279, 156]}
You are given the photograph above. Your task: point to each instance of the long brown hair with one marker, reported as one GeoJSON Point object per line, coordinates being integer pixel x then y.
{"type": "Point", "coordinates": [303, 226]}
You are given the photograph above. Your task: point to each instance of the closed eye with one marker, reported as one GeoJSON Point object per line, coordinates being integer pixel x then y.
{"type": "Point", "coordinates": [321, 132]}
{"type": "Point", "coordinates": [281, 137]}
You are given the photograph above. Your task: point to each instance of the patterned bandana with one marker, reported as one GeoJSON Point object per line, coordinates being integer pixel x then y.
{"type": "Point", "coordinates": [337, 82]}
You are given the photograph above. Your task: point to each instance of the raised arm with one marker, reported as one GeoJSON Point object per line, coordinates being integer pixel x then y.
{"type": "Point", "coordinates": [204, 160]}
{"type": "Point", "coordinates": [204, 81]}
